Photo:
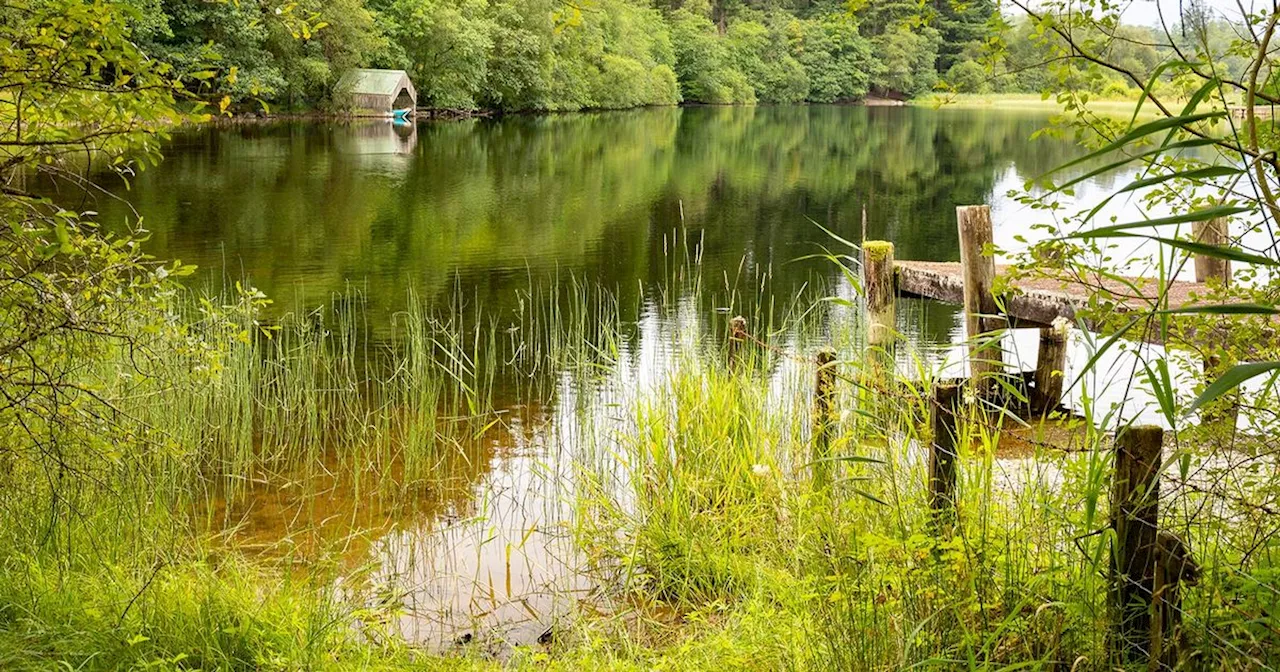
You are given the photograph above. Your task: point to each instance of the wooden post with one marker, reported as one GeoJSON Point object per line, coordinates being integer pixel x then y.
{"type": "Point", "coordinates": [824, 403]}
{"type": "Point", "coordinates": [978, 271]}
{"type": "Point", "coordinates": [879, 287]}
{"type": "Point", "coordinates": [1051, 367]}
{"type": "Point", "coordinates": [1213, 232]}
{"type": "Point", "coordinates": [737, 338]}
{"type": "Point", "coordinates": [1174, 568]}
{"type": "Point", "coordinates": [1135, 495]}
{"type": "Point", "coordinates": [942, 453]}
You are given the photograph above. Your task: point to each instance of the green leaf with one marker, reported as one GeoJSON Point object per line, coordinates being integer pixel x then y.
{"type": "Point", "coordinates": [1232, 379]}
{"type": "Point", "coordinates": [1224, 309]}
{"type": "Point", "coordinates": [1184, 144]}
{"type": "Point", "coordinates": [1206, 173]}
{"type": "Point", "coordinates": [1186, 218]}
{"type": "Point", "coordinates": [1215, 251]}
{"type": "Point", "coordinates": [1138, 133]}
{"type": "Point", "coordinates": [1155, 75]}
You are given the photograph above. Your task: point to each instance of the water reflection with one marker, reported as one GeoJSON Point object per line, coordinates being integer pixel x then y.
{"type": "Point", "coordinates": [475, 213]}
{"type": "Point", "coordinates": [303, 209]}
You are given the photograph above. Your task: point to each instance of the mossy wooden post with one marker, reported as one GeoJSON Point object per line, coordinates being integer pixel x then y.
{"type": "Point", "coordinates": [1211, 269]}
{"type": "Point", "coordinates": [1051, 367]}
{"type": "Point", "coordinates": [1135, 496]}
{"type": "Point", "coordinates": [878, 286]}
{"type": "Point", "coordinates": [737, 339]}
{"type": "Point", "coordinates": [824, 404]}
{"type": "Point", "coordinates": [986, 354]}
{"type": "Point", "coordinates": [942, 451]}
{"type": "Point", "coordinates": [1174, 568]}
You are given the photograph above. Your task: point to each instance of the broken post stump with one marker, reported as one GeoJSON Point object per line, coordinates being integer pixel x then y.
{"type": "Point", "coordinates": [1051, 367]}
{"type": "Point", "coordinates": [1174, 568]}
{"type": "Point", "coordinates": [824, 419]}
{"type": "Point", "coordinates": [881, 293]}
{"type": "Point", "coordinates": [942, 450]}
{"type": "Point", "coordinates": [1135, 495]}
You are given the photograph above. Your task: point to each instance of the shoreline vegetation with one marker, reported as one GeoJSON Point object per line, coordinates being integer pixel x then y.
{"type": "Point", "coordinates": [942, 100]}
{"type": "Point", "coordinates": [543, 55]}
{"type": "Point", "coordinates": [191, 481]}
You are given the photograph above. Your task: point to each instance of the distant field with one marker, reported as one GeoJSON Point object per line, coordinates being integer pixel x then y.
{"type": "Point", "coordinates": [1020, 101]}
{"type": "Point", "coordinates": [1034, 101]}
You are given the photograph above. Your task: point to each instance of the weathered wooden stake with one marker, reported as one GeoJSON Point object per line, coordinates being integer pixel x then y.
{"type": "Point", "coordinates": [942, 453]}
{"type": "Point", "coordinates": [879, 287]}
{"type": "Point", "coordinates": [737, 339]}
{"type": "Point", "coordinates": [1135, 496]}
{"type": "Point", "coordinates": [1051, 367]}
{"type": "Point", "coordinates": [1212, 232]}
{"type": "Point", "coordinates": [978, 271]}
{"type": "Point", "coordinates": [1174, 568]}
{"type": "Point", "coordinates": [824, 420]}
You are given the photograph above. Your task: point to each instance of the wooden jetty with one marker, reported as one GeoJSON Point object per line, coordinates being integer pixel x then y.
{"type": "Point", "coordinates": [1150, 566]}
{"type": "Point", "coordinates": [1050, 304]}
{"type": "Point", "coordinates": [1037, 302]}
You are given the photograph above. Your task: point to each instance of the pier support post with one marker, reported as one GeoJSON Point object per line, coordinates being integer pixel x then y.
{"type": "Point", "coordinates": [982, 318]}
{"type": "Point", "coordinates": [942, 451]}
{"type": "Point", "coordinates": [1051, 367]}
{"type": "Point", "coordinates": [1135, 496]}
{"type": "Point", "coordinates": [879, 287]}
{"type": "Point", "coordinates": [1208, 269]}
{"type": "Point", "coordinates": [824, 416]}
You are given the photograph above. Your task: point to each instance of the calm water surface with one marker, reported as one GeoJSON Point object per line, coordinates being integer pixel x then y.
{"type": "Point", "coordinates": [483, 209]}
{"type": "Point", "coordinates": [304, 210]}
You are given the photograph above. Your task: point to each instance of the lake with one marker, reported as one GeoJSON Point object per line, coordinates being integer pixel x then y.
{"type": "Point", "coordinates": [646, 203]}
{"type": "Point", "coordinates": [305, 210]}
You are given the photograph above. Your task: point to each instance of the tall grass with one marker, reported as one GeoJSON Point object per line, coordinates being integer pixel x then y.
{"type": "Point", "coordinates": [693, 482]}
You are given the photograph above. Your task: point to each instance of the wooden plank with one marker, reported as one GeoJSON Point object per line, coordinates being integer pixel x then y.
{"type": "Point", "coordinates": [1038, 301]}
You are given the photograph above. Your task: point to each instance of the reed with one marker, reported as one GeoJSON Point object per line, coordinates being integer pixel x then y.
{"type": "Point", "coordinates": [711, 532]}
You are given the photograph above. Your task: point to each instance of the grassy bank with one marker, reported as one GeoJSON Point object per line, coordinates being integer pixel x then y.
{"type": "Point", "coordinates": [715, 527]}
{"type": "Point", "coordinates": [1110, 106]}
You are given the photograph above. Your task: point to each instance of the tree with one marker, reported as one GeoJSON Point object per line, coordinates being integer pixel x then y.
{"type": "Point", "coordinates": [961, 25]}
{"type": "Point", "coordinates": [79, 94]}
{"type": "Point", "coordinates": [445, 45]}
{"type": "Point", "coordinates": [761, 53]}
{"type": "Point", "coordinates": [904, 60]}
{"type": "Point", "coordinates": [519, 72]}
{"type": "Point", "coordinates": [836, 59]}
{"type": "Point", "coordinates": [228, 37]}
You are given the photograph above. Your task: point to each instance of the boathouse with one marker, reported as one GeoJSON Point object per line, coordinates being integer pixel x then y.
{"type": "Point", "coordinates": [379, 93]}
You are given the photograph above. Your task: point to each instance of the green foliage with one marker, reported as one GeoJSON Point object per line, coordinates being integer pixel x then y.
{"type": "Point", "coordinates": [963, 27]}
{"type": "Point", "coordinates": [904, 59]}
{"type": "Point", "coordinates": [967, 77]}
{"type": "Point", "coordinates": [702, 62]}
{"type": "Point", "coordinates": [835, 57]}
{"type": "Point", "coordinates": [762, 54]}
{"type": "Point", "coordinates": [446, 46]}
{"type": "Point", "coordinates": [546, 55]}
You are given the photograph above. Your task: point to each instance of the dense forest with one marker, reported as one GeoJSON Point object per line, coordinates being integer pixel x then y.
{"type": "Point", "coordinates": [515, 55]}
